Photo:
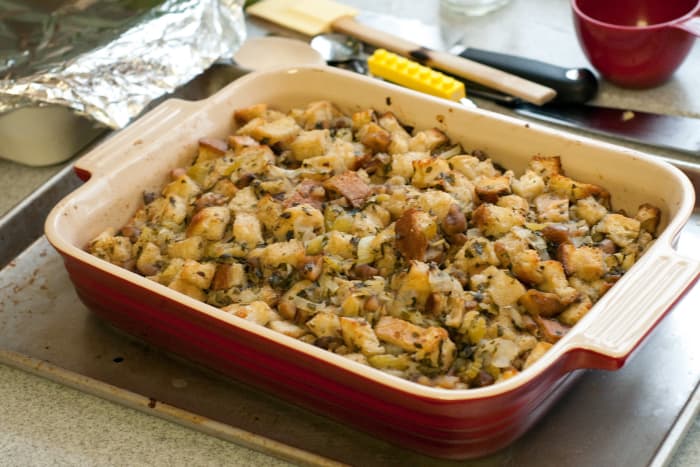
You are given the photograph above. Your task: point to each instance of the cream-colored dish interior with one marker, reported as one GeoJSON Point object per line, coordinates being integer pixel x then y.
{"type": "Point", "coordinates": [141, 157]}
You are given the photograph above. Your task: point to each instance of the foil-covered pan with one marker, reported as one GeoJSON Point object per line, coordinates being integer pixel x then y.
{"type": "Point", "coordinates": [102, 62]}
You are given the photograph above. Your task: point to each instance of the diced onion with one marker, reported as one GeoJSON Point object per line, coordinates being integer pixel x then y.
{"type": "Point", "coordinates": [364, 250]}
{"type": "Point", "coordinates": [506, 350]}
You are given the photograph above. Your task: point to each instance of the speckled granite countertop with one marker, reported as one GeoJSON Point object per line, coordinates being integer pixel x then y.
{"type": "Point", "coordinates": [44, 423]}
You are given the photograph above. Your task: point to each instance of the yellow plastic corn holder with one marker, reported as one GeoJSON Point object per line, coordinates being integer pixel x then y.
{"type": "Point", "coordinates": [410, 74]}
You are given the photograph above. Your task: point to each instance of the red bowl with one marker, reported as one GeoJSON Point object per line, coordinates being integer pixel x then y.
{"type": "Point", "coordinates": [436, 421]}
{"type": "Point", "coordinates": [636, 43]}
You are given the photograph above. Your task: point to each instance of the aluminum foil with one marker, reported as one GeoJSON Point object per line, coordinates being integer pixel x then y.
{"type": "Point", "coordinates": [108, 59]}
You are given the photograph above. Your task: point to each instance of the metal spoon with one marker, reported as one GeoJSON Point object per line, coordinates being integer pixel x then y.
{"type": "Point", "coordinates": [341, 50]}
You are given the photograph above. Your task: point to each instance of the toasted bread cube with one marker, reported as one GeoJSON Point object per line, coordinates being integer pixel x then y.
{"type": "Point", "coordinates": [430, 173]}
{"type": "Point", "coordinates": [205, 173]}
{"type": "Point", "coordinates": [247, 230]}
{"type": "Point", "coordinates": [585, 262]}
{"type": "Point", "coordinates": [339, 244]}
{"type": "Point", "coordinates": [251, 127]}
{"type": "Point", "coordinates": [282, 130]}
{"type": "Point", "coordinates": [460, 188]}
{"type": "Point", "coordinates": [591, 289]}
{"type": "Point", "coordinates": [390, 123]}
{"type": "Point", "coordinates": [244, 115]}
{"type": "Point", "coordinates": [225, 188]}
{"type": "Point", "coordinates": [276, 254]}
{"type": "Point", "coordinates": [648, 217]}
{"type": "Point", "coordinates": [437, 203]}
{"type": "Point", "coordinates": [239, 142]}
{"type": "Point", "coordinates": [536, 353]}
{"type": "Point", "coordinates": [268, 211]}
{"type": "Point", "coordinates": [552, 208]}
{"type": "Point", "coordinates": [476, 254]}
{"type": "Point", "coordinates": [210, 149]}
{"type": "Point", "coordinates": [529, 185]}
{"type": "Point", "coordinates": [325, 324]}
{"type": "Point", "coordinates": [171, 212]}
{"type": "Point", "coordinates": [471, 167]}
{"type": "Point", "coordinates": [171, 271]}
{"type": "Point", "coordinates": [590, 210]}
{"type": "Point", "coordinates": [244, 200]}
{"type": "Point", "coordinates": [545, 166]}
{"type": "Point", "coordinates": [399, 143]}
{"type": "Point", "coordinates": [257, 312]}
{"type": "Point", "coordinates": [310, 143]}
{"type": "Point", "coordinates": [320, 114]}
{"type": "Point", "coordinates": [358, 334]}
{"type": "Point", "coordinates": [415, 286]}
{"type": "Point", "coordinates": [113, 248]}
{"type": "Point", "coordinates": [197, 274]}
{"type": "Point", "coordinates": [210, 223]}
{"type": "Point", "coordinates": [399, 332]}
{"type": "Point", "coordinates": [183, 186]}
{"type": "Point", "coordinates": [431, 345]}
{"type": "Point", "coordinates": [620, 229]}
{"type": "Point", "coordinates": [374, 137]}
{"type": "Point", "coordinates": [538, 303]}
{"type": "Point", "coordinates": [287, 328]}
{"type": "Point", "coordinates": [504, 289]}
{"type": "Point", "coordinates": [526, 266]}
{"type": "Point", "coordinates": [340, 157]}
{"type": "Point", "coordinates": [150, 260]}
{"type": "Point", "coordinates": [575, 311]}
{"type": "Point", "coordinates": [362, 118]}
{"type": "Point", "coordinates": [250, 161]}
{"type": "Point", "coordinates": [437, 350]}
{"type": "Point", "coordinates": [508, 246]}
{"type": "Point", "coordinates": [427, 140]}
{"type": "Point", "coordinates": [188, 289]}
{"type": "Point", "coordinates": [575, 190]}
{"type": "Point", "coordinates": [495, 221]}
{"type": "Point", "coordinates": [554, 280]}
{"type": "Point", "coordinates": [514, 202]}
{"type": "Point", "coordinates": [228, 275]}
{"type": "Point", "coordinates": [414, 230]}
{"type": "Point", "coordinates": [189, 248]}
{"type": "Point", "coordinates": [466, 165]}
{"type": "Point", "coordinates": [490, 189]}
{"type": "Point", "coordinates": [302, 222]}
{"type": "Point", "coordinates": [402, 163]}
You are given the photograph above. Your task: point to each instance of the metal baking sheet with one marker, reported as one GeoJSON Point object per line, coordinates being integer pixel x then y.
{"type": "Point", "coordinates": [633, 416]}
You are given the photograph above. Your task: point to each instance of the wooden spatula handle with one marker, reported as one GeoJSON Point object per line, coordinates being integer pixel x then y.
{"type": "Point", "coordinates": [458, 66]}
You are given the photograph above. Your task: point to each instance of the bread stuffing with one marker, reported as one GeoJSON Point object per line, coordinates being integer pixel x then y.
{"type": "Point", "coordinates": [388, 245]}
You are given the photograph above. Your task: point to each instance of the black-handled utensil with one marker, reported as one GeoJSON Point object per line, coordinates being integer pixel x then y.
{"type": "Point", "coordinates": [573, 85]}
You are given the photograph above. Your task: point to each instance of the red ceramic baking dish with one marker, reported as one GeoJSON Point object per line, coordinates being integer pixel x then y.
{"type": "Point", "coordinates": [440, 422]}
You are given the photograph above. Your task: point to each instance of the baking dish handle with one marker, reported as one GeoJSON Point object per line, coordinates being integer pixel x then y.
{"type": "Point", "coordinates": [632, 312]}
{"type": "Point", "coordinates": [104, 157]}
